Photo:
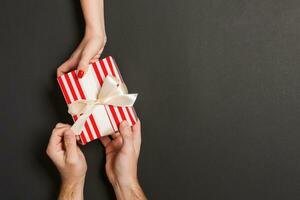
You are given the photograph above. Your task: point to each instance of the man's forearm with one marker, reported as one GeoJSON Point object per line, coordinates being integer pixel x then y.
{"type": "Point", "coordinates": [71, 191]}
{"type": "Point", "coordinates": [129, 192]}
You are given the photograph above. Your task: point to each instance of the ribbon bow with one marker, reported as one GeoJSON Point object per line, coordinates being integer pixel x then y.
{"type": "Point", "coordinates": [113, 92]}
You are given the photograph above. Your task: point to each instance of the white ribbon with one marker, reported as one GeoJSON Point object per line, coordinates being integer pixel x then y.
{"type": "Point", "coordinates": [113, 92]}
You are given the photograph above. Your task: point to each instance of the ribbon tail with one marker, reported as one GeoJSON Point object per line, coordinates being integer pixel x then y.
{"type": "Point", "coordinates": [77, 127]}
{"type": "Point", "coordinates": [77, 107]}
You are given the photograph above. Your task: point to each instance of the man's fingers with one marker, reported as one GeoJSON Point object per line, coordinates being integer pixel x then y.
{"type": "Point", "coordinates": [126, 133]}
{"type": "Point", "coordinates": [56, 138]}
{"type": "Point", "coordinates": [70, 145]}
{"type": "Point", "coordinates": [57, 133]}
{"type": "Point", "coordinates": [115, 135]}
{"type": "Point", "coordinates": [136, 129]}
{"type": "Point", "coordinates": [77, 137]}
{"type": "Point", "coordinates": [125, 129]}
{"type": "Point", "coordinates": [136, 132]}
{"type": "Point", "coordinates": [114, 145]}
{"type": "Point", "coordinates": [105, 140]}
{"type": "Point", "coordinates": [59, 125]}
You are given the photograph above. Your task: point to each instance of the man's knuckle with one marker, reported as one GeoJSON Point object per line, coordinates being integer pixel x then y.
{"type": "Point", "coordinates": [67, 142]}
{"type": "Point", "coordinates": [126, 130]}
{"type": "Point", "coordinates": [72, 160]}
{"type": "Point", "coordinates": [48, 151]}
{"type": "Point", "coordinates": [68, 126]}
{"type": "Point", "coordinates": [58, 125]}
{"type": "Point", "coordinates": [54, 131]}
{"type": "Point", "coordinates": [68, 138]}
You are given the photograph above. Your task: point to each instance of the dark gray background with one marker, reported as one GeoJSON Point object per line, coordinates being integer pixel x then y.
{"type": "Point", "coordinates": [219, 95]}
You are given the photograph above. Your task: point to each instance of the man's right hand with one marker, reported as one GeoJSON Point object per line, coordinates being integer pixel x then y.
{"type": "Point", "coordinates": [122, 153]}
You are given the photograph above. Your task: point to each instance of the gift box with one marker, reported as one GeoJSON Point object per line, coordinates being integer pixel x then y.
{"type": "Point", "coordinates": [101, 118]}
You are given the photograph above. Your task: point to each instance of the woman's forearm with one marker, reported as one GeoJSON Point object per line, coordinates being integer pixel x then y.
{"type": "Point", "coordinates": [93, 42]}
{"type": "Point", "coordinates": [93, 12]}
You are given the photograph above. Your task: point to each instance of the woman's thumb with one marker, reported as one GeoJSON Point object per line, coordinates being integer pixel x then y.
{"type": "Point", "coordinates": [82, 66]}
{"type": "Point", "coordinates": [87, 54]}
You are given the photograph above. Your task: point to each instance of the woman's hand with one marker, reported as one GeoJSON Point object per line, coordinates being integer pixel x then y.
{"type": "Point", "coordinates": [88, 51]}
{"type": "Point", "coordinates": [93, 42]}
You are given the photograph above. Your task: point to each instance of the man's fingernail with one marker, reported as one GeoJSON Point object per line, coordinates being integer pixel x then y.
{"type": "Point", "coordinates": [80, 73]}
{"type": "Point", "coordinates": [68, 132]}
{"type": "Point", "coordinates": [125, 123]}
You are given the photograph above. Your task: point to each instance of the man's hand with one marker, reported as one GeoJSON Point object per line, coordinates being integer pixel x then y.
{"type": "Point", "coordinates": [69, 160]}
{"type": "Point", "coordinates": [122, 153]}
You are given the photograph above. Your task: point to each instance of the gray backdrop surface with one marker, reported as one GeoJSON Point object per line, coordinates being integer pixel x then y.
{"type": "Point", "coordinates": [219, 95]}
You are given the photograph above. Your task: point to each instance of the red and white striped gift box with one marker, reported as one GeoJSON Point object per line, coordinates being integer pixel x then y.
{"type": "Point", "coordinates": [105, 119]}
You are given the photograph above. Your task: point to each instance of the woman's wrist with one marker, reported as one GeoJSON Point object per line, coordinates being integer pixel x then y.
{"type": "Point", "coordinates": [93, 12]}
{"type": "Point", "coordinates": [95, 32]}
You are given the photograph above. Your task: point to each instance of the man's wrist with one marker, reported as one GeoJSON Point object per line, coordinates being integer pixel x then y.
{"type": "Point", "coordinates": [71, 190]}
{"type": "Point", "coordinates": [129, 191]}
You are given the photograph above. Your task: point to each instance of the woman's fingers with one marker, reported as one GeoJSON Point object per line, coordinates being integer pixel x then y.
{"type": "Point", "coordinates": [94, 60]}
{"type": "Point", "coordinates": [67, 66]}
{"type": "Point", "coordinates": [96, 57]}
{"type": "Point", "coordinates": [88, 53]}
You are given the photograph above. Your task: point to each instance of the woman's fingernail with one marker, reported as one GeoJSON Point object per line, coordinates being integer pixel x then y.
{"type": "Point", "coordinates": [80, 73]}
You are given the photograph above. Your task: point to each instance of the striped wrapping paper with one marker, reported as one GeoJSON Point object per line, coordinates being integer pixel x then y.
{"type": "Point", "coordinates": [105, 119]}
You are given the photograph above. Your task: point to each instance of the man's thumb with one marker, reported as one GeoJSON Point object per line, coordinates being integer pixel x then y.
{"type": "Point", "coordinates": [70, 144]}
{"type": "Point", "coordinates": [126, 133]}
